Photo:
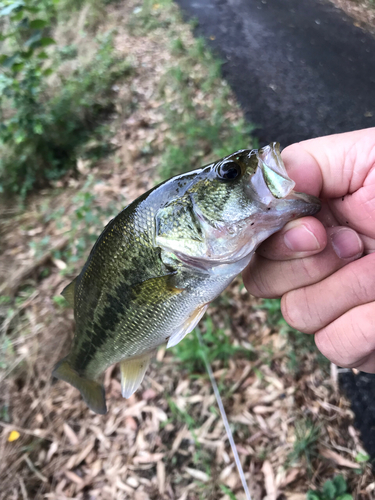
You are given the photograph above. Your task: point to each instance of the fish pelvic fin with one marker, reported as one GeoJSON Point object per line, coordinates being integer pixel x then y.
{"type": "Point", "coordinates": [69, 292]}
{"type": "Point", "coordinates": [92, 391]}
{"type": "Point", "coordinates": [188, 326]}
{"type": "Point", "coordinates": [132, 373]}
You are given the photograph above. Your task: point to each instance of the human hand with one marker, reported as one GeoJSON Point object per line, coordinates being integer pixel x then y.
{"type": "Point", "coordinates": [324, 266]}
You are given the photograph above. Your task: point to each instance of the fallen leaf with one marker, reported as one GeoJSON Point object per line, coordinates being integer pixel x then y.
{"type": "Point", "coordinates": [338, 459]}
{"type": "Point", "coordinates": [13, 436]}
{"type": "Point", "coordinates": [269, 480]}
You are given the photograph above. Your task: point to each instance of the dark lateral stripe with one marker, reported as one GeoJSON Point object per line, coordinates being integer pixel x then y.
{"type": "Point", "coordinates": [105, 327]}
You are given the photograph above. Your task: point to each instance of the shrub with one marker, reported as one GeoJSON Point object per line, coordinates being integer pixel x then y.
{"type": "Point", "coordinates": [45, 126]}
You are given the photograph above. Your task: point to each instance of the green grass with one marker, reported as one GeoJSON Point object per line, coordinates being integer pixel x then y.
{"type": "Point", "coordinates": [305, 445]}
{"type": "Point", "coordinates": [197, 105]}
{"type": "Point", "coordinates": [218, 346]}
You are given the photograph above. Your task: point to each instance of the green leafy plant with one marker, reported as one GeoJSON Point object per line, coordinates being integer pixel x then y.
{"type": "Point", "coordinates": [335, 489]}
{"type": "Point", "coordinates": [228, 491]}
{"type": "Point", "coordinates": [46, 126]}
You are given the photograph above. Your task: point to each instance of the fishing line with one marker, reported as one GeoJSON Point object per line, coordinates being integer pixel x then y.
{"type": "Point", "coordinates": [223, 415]}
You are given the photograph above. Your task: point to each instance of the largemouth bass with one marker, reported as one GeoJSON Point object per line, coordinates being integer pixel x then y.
{"type": "Point", "coordinates": [159, 263]}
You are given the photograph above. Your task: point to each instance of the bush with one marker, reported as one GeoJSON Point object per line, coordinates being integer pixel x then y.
{"type": "Point", "coordinates": [45, 127]}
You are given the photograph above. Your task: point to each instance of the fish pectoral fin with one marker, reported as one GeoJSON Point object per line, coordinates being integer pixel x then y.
{"type": "Point", "coordinates": [132, 372]}
{"type": "Point", "coordinates": [188, 326]}
{"type": "Point", "coordinates": [92, 391]}
{"type": "Point", "coordinates": [155, 290]}
{"type": "Point", "coordinates": [69, 292]}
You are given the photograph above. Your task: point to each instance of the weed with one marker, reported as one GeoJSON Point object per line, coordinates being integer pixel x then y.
{"type": "Point", "coordinates": [217, 347]}
{"type": "Point", "coordinates": [362, 458]}
{"type": "Point", "coordinates": [305, 445]}
{"type": "Point", "coordinates": [60, 301]}
{"type": "Point", "coordinates": [44, 130]}
{"type": "Point", "coordinates": [335, 489]}
{"type": "Point", "coordinates": [181, 416]}
{"type": "Point", "coordinates": [228, 491]}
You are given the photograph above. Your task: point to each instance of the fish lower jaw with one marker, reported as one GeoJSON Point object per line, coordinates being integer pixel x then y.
{"type": "Point", "coordinates": [217, 268]}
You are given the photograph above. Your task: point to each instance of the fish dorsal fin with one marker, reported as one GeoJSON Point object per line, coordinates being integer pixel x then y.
{"type": "Point", "coordinates": [69, 292]}
{"type": "Point", "coordinates": [188, 326]}
{"type": "Point", "coordinates": [132, 372]}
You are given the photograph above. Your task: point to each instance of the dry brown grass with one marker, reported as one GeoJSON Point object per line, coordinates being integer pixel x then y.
{"type": "Point", "coordinates": [167, 441]}
{"type": "Point", "coordinates": [361, 11]}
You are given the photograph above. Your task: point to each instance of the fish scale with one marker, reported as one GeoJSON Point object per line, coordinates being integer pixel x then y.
{"type": "Point", "coordinates": [158, 264]}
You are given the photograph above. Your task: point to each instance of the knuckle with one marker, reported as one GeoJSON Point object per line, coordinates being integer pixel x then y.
{"type": "Point", "coordinates": [292, 308]}
{"type": "Point", "coordinates": [310, 269]}
{"type": "Point", "coordinates": [257, 280]}
{"type": "Point", "coordinates": [361, 285]}
{"type": "Point", "coordinates": [340, 347]}
{"type": "Point", "coordinates": [301, 311]}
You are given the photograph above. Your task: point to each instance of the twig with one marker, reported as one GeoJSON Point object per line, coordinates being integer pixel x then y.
{"type": "Point", "coordinates": [35, 470]}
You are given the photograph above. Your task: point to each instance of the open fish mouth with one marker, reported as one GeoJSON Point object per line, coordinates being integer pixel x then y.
{"type": "Point", "coordinates": [271, 182]}
{"type": "Point", "coordinates": [270, 179]}
{"type": "Point", "coordinates": [274, 171]}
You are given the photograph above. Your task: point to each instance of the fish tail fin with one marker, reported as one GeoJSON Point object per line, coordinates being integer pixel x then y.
{"type": "Point", "coordinates": [92, 392]}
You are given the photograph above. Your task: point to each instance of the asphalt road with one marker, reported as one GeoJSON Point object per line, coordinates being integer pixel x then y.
{"type": "Point", "coordinates": [300, 69]}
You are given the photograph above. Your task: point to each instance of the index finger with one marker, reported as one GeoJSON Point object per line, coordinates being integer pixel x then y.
{"type": "Point", "coordinates": [331, 166]}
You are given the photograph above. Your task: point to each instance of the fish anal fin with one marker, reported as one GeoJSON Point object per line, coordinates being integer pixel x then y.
{"type": "Point", "coordinates": [188, 326]}
{"type": "Point", "coordinates": [69, 292]}
{"type": "Point", "coordinates": [132, 373]}
{"type": "Point", "coordinates": [92, 391]}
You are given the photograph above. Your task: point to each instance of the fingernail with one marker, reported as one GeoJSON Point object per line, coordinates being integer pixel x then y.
{"type": "Point", "coordinates": [346, 243]}
{"type": "Point", "coordinates": [301, 239]}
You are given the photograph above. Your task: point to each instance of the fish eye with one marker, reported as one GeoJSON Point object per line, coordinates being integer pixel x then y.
{"type": "Point", "coordinates": [229, 171]}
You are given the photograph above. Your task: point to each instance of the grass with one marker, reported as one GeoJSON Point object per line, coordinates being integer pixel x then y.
{"type": "Point", "coordinates": [198, 133]}
{"type": "Point", "coordinates": [218, 346]}
{"type": "Point", "coordinates": [200, 128]}
{"type": "Point", "coordinates": [335, 489]}
{"type": "Point", "coordinates": [305, 445]}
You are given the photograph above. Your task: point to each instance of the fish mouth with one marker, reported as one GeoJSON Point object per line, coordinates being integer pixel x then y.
{"type": "Point", "coordinates": [304, 204]}
{"type": "Point", "coordinates": [270, 179]}
{"type": "Point", "coordinates": [274, 171]}
{"type": "Point", "coordinates": [271, 184]}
